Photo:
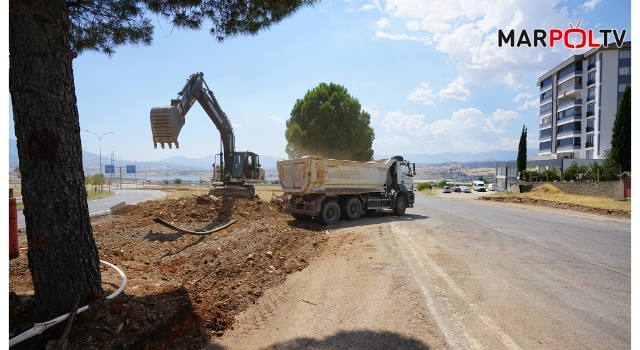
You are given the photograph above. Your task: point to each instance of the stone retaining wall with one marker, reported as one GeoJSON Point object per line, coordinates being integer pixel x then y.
{"type": "Point", "coordinates": [611, 189]}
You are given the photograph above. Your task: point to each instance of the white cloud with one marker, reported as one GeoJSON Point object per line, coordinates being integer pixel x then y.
{"type": "Point", "coordinates": [521, 95]}
{"type": "Point", "coordinates": [278, 120]}
{"type": "Point", "coordinates": [236, 126]}
{"type": "Point", "coordinates": [373, 113]}
{"type": "Point", "coordinates": [403, 36]}
{"type": "Point", "coordinates": [367, 7]}
{"type": "Point", "coordinates": [382, 23]}
{"type": "Point", "coordinates": [529, 104]}
{"type": "Point", "coordinates": [589, 5]}
{"type": "Point", "coordinates": [423, 95]}
{"type": "Point", "coordinates": [466, 30]}
{"type": "Point", "coordinates": [468, 130]}
{"type": "Point", "coordinates": [391, 145]}
{"type": "Point", "coordinates": [455, 90]}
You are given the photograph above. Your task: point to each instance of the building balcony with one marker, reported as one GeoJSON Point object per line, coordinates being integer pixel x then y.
{"type": "Point", "coordinates": [570, 118]}
{"type": "Point", "coordinates": [545, 138]}
{"type": "Point", "coordinates": [545, 148]}
{"type": "Point", "coordinates": [591, 82]}
{"type": "Point", "coordinates": [568, 133]}
{"type": "Point", "coordinates": [567, 148]}
{"type": "Point", "coordinates": [591, 66]}
{"type": "Point", "coordinates": [564, 77]}
{"type": "Point", "coordinates": [591, 98]}
{"type": "Point", "coordinates": [545, 100]}
{"type": "Point", "coordinates": [589, 128]}
{"type": "Point", "coordinates": [588, 145]}
{"type": "Point", "coordinates": [544, 124]}
{"type": "Point", "coordinates": [545, 113]}
{"type": "Point", "coordinates": [570, 103]}
{"type": "Point", "coordinates": [568, 90]}
{"type": "Point", "coordinates": [591, 113]}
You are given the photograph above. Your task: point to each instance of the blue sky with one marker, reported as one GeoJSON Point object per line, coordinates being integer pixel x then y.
{"type": "Point", "coordinates": [429, 72]}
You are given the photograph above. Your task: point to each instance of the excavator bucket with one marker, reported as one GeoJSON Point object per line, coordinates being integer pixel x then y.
{"type": "Point", "coordinates": [246, 191]}
{"type": "Point", "coordinates": [166, 123]}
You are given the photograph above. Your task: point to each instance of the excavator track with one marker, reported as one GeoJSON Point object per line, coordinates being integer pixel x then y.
{"type": "Point", "coordinates": [166, 123]}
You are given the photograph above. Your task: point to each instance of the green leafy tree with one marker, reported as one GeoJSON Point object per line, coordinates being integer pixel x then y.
{"type": "Point", "coordinates": [442, 183]}
{"type": "Point", "coordinates": [621, 139]}
{"type": "Point", "coordinates": [329, 122]}
{"type": "Point", "coordinates": [571, 173]}
{"type": "Point", "coordinates": [610, 170]}
{"type": "Point", "coordinates": [166, 182]}
{"type": "Point", "coordinates": [521, 161]}
{"type": "Point", "coordinates": [550, 174]}
{"type": "Point", "coordinates": [44, 37]}
{"type": "Point", "coordinates": [177, 181]}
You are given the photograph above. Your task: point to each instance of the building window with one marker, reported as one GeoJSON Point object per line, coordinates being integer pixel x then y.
{"type": "Point", "coordinates": [512, 171]}
{"type": "Point", "coordinates": [590, 125]}
{"type": "Point", "coordinates": [591, 78]}
{"type": "Point", "coordinates": [546, 83]}
{"type": "Point", "coordinates": [545, 108]}
{"type": "Point", "coordinates": [591, 94]}
{"type": "Point", "coordinates": [624, 70]}
{"type": "Point", "coordinates": [545, 95]}
{"type": "Point", "coordinates": [589, 155]}
{"type": "Point", "coordinates": [625, 54]}
{"type": "Point", "coordinates": [545, 133]}
{"type": "Point", "coordinates": [589, 141]}
{"type": "Point", "coordinates": [591, 59]}
{"type": "Point", "coordinates": [545, 146]}
{"type": "Point", "coordinates": [572, 141]}
{"type": "Point", "coordinates": [621, 87]}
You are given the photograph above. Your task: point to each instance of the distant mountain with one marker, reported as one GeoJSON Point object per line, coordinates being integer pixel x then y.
{"type": "Point", "coordinates": [461, 157]}
{"type": "Point", "coordinates": [91, 161]}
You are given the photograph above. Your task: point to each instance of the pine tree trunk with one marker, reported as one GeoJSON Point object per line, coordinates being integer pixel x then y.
{"type": "Point", "coordinates": [62, 255]}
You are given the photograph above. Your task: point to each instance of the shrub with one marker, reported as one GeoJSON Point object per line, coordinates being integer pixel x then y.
{"type": "Point", "coordinates": [424, 186]}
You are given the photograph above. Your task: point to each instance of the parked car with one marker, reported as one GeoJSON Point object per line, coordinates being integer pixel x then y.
{"type": "Point", "coordinates": [446, 189]}
{"type": "Point", "coordinates": [478, 186]}
{"type": "Point", "coordinates": [456, 189]}
{"type": "Point", "coordinates": [492, 187]}
{"type": "Point", "coordinates": [466, 189]}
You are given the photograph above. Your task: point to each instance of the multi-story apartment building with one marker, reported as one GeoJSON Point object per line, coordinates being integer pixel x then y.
{"type": "Point", "coordinates": [579, 101]}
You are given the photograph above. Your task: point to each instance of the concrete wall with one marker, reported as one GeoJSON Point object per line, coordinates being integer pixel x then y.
{"type": "Point", "coordinates": [611, 189]}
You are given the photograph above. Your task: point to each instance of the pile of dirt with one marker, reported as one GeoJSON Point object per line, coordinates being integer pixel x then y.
{"type": "Point", "coordinates": [181, 289]}
{"type": "Point", "coordinates": [547, 188]}
{"type": "Point", "coordinates": [560, 205]}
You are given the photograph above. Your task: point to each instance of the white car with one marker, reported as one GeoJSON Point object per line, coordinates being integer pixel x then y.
{"type": "Point", "coordinates": [492, 187]}
{"type": "Point", "coordinates": [465, 189]}
{"type": "Point", "coordinates": [446, 189]}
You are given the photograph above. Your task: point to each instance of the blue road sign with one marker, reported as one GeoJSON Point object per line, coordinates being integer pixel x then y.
{"type": "Point", "coordinates": [131, 169]}
{"type": "Point", "coordinates": [109, 169]}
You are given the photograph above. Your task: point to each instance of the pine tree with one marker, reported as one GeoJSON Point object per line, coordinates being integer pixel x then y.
{"type": "Point", "coordinates": [621, 139]}
{"type": "Point", "coordinates": [44, 37]}
{"type": "Point", "coordinates": [521, 162]}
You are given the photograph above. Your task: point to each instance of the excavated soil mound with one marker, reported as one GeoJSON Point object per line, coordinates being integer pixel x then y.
{"type": "Point", "coordinates": [552, 204]}
{"type": "Point", "coordinates": [181, 289]}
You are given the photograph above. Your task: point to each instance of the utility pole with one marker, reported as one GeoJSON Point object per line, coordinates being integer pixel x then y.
{"type": "Point", "coordinates": [112, 165]}
{"type": "Point", "coordinates": [120, 176]}
{"type": "Point", "coordinates": [100, 139]}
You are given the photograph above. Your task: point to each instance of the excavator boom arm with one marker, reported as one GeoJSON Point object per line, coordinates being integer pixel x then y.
{"type": "Point", "coordinates": [167, 121]}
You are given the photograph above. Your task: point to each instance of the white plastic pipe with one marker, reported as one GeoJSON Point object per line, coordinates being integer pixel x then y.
{"type": "Point", "coordinates": [41, 327]}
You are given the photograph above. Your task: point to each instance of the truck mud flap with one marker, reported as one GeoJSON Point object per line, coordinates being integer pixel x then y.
{"type": "Point", "coordinates": [300, 211]}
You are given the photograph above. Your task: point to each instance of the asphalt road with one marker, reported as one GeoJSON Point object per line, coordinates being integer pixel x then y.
{"type": "Point", "coordinates": [103, 205]}
{"type": "Point", "coordinates": [506, 276]}
{"type": "Point", "coordinates": [454, 273]}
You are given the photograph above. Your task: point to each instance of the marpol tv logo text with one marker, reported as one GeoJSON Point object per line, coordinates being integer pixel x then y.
{"type": "Point", "coordinates": [572, 38]}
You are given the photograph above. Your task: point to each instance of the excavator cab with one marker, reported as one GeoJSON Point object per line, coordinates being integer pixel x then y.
{"type": "Point", "coordinates": [246, 167]}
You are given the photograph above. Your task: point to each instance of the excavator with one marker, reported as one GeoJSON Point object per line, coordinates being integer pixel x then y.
{"type": "Point", "coordinates": [236, 169]}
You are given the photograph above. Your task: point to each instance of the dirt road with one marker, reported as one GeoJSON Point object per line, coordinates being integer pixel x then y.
{"type": "Point", "coordinates": [453, 274]}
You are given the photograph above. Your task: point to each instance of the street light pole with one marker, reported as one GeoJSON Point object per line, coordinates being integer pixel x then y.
{"type": "Point", "coordinates": [100, 139]}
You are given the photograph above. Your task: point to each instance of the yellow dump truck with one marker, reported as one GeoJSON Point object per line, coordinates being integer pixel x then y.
{"type": "Point", "coordinates": [330, 189]}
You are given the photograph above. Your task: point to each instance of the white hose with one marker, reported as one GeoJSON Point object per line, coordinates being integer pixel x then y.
{"type": "Point", "coordinates": [41, 327]}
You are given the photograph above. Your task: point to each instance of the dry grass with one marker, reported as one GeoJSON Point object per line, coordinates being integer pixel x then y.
{"type": "Point", "coordinates": [551, 193]}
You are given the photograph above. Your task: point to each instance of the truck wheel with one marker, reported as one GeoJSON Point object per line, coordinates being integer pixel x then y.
{"type": "Point", "coordinates": [352, 208]}
{"type": "Point", "coordinates": [329, 214]}
{"type": "Point", "coordinates": [401, 206]}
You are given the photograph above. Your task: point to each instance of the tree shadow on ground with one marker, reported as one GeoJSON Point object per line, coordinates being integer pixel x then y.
{"type": "Point", "coordinates": [347, 340]}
